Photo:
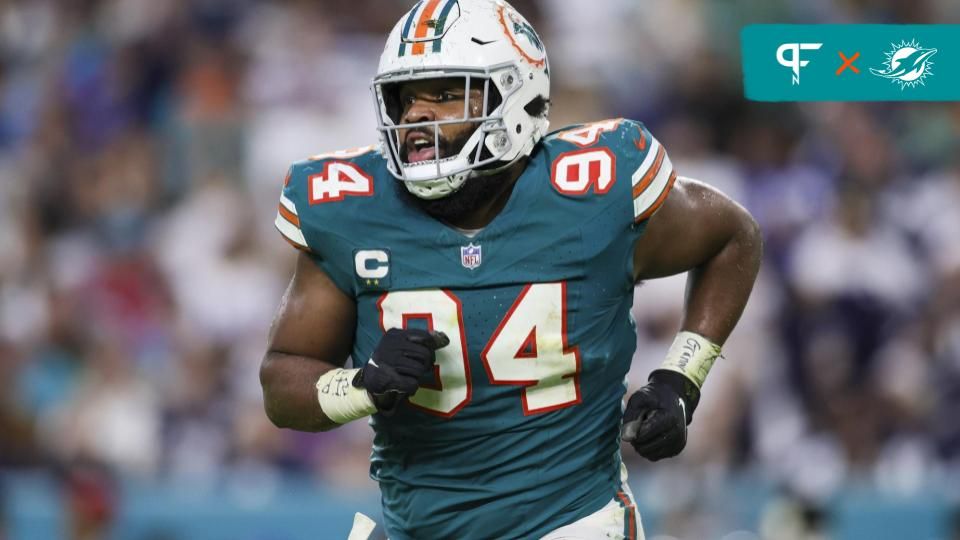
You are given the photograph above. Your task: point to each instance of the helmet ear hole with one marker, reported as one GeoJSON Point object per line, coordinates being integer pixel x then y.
{"type": "Point", "coordinates": [519, 129]}
{"type": "Point", "coordinates": [537, 107]}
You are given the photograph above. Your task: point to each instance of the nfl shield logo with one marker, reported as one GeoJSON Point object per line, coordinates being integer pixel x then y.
{"type": "Point", "coordinates": [470, 256]}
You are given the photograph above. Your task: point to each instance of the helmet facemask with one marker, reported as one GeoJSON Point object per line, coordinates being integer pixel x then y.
{"type": "Point", "coordinates": [484, 149]}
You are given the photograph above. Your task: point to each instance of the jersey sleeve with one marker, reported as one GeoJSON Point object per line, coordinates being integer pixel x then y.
{"type": "Point", "coordinates": [612, 176]}
{"type": "Point", "coordinates": [651, 172]}
{"type": "Point", "coordinates": [312, 228]}
{"type": "Point", "coordinates": [288, 217]}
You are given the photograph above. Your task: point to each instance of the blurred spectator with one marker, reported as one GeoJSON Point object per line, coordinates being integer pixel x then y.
{"type": "Point", "coordinates": [91, 501]}
{"type": "Point", "coordinates": [792, 518]}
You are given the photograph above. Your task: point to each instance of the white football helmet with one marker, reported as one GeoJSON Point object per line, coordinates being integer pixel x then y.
{"type": "Point", "coordinates": [482, 42]}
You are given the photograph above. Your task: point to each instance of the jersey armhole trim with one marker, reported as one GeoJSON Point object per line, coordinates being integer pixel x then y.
{"type": "Point", "coordinates": [658, 202]}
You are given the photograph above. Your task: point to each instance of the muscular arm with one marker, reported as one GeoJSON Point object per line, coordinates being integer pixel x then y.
{"type": "Point", "coordinates": [311, 334]}
{"type": "Point", "coordinates": [700, 230]}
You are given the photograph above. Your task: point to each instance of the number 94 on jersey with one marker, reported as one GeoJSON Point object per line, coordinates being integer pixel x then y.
{"type": "Point", "coordinates": [528, 348]}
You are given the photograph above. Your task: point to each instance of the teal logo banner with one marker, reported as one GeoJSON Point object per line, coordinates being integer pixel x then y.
{"type": "Point", "coordinates": [851, 62]}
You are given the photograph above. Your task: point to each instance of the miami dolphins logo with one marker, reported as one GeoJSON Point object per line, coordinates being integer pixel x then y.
{"type": "Point", "coordinates": [523, 28]}
{"type": "Point", "coordinates": [907, 64]}
{"type": "Point", "coordinates": [522, 36]}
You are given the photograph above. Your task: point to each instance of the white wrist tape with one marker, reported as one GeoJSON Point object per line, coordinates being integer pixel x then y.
{"type": "Point", "coordinates": [692, 355]}
{"type": "Point", "coordinates": [340, 400]}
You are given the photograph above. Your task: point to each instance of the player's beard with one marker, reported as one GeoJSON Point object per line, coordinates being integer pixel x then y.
{"type": "Point", "coordinates": [472, 195]}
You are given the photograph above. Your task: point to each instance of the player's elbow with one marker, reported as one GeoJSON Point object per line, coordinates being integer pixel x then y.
{"type": "Point", "coordinates": [753, 233]}
{"type": "Point", "coordinates": [269, 380]}
{"type": "Point", "coordinates": [749, 238]}
{"type": "Point", "coordinates": [273, 415]}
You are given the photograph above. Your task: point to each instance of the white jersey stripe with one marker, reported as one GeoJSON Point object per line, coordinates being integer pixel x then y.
{"type": "Point", "coordinates": [647, 161]}
{"type": "Point", "coordinates": [649, 197]}
{"type": "Point", "coordinates": [290, 231]}
{"type": "Point", "coordinates": [288, 204]}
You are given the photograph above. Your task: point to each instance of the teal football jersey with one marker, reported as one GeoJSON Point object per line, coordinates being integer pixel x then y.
{"type": "Point", "coordinates": [516, 431]}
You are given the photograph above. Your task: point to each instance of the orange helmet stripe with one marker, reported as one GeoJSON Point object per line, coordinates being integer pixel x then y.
{"type": "Point", "coordinates": [423, 27]}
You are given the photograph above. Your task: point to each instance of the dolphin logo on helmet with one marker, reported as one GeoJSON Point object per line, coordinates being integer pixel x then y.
{"type": "Point", "coordinates": [469, 40]}
{"type": "Point", "coordinates": [524, 29]}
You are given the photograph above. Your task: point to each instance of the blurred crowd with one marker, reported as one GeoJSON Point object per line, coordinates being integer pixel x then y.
{"type": "Point", "coordinates": [142, 149]}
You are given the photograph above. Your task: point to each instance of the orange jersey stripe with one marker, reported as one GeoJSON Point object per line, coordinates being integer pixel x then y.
{"type": "Point", "coordinates": [660, 199]}
{"type": "Point", "coordinates": [289, 216]}
{"type": "Point", "coordinates": [630, 510]}
{"type": "Point", "coordinates": [651, 174]}
{"type": "Point", "coordinates": [296, 245]}
{"type": "Point", "coordinates": [422, 26]}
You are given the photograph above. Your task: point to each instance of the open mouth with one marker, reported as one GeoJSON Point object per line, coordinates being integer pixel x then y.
{"type": "Point", "coordinates": [420, 147]}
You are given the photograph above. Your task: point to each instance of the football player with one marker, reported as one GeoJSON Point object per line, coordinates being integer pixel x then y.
{"type": "Point", "coordinates": [479, 272]}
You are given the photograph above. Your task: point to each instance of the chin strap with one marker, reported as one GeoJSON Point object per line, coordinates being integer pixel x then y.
{"type": "Point", "coordinates": [434, 189]}
{"type": "Point", "coordinates": [437, 188]}
{"type": "Point", "coordinates": [498, 169]}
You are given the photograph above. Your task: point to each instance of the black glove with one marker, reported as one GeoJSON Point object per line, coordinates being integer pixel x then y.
{"type": "Point", "coordinates": [656, 418]}
{"type": "Point", "coordinates": [398, 362]}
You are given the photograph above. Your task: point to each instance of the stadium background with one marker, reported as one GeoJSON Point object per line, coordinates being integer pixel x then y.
{"type": "Point", "coordinates": [142, 147]}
